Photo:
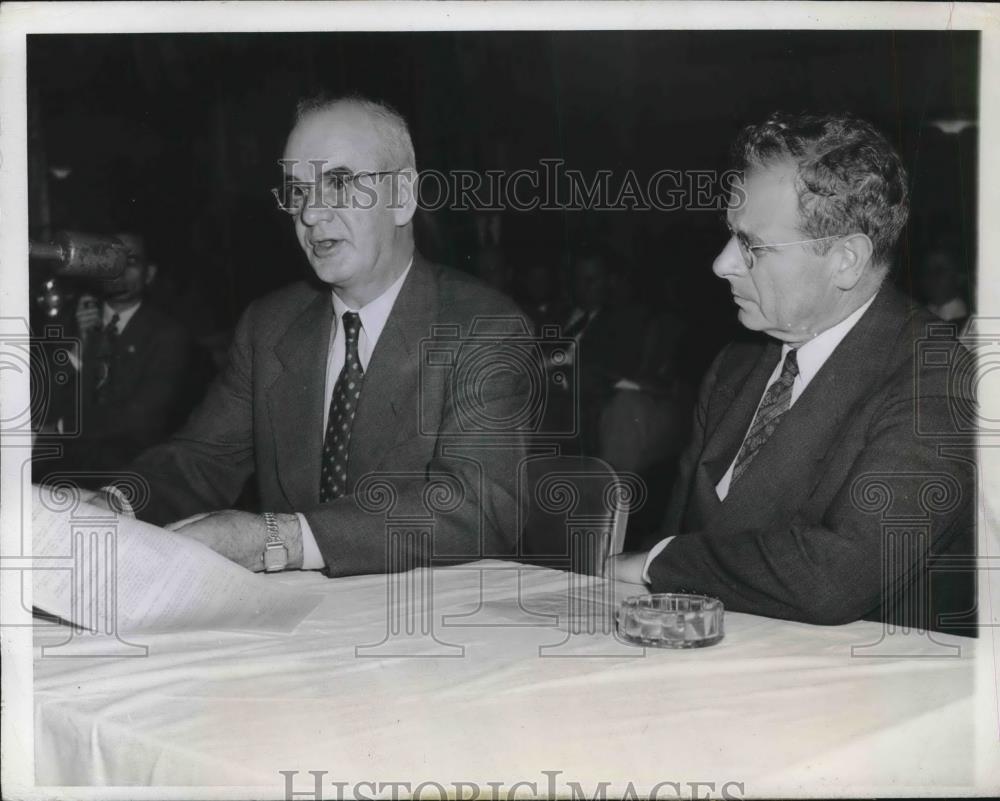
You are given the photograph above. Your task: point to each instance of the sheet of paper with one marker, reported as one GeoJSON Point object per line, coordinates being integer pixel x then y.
{"type": "Point", "coordinates": [95, 569]}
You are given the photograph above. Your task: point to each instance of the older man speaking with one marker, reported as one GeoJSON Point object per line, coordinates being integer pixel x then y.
{"type": "Point", "coordinates": [326, 383]}
{"type": "Point", "coordinates": [809, 439]}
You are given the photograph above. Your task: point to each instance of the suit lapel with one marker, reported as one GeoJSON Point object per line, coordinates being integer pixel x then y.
{"type": "Point", "coordinates": [390, 391]}
{"type": "Point", "coordinates": [130, 350]}
{"type": "Point", "coordinates": [735, 402]}
{"type": "Point", "coordinates": [137, 331]}
{"type": "Point", "coordinates": [296, 401]}
{"type": "Point", "coordinates": [783, 471]}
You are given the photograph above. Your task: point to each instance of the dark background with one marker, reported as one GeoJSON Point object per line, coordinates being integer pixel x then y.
{"type": "Point", "coordinates": [180, 135]}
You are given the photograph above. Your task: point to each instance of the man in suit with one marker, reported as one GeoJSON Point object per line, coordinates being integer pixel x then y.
{"type": "Point", "coordinates": [132, 369]}
{"type": "Point", "coordinates": [326, 384]}
{"type": "Point", "coordinates": [811, 435]}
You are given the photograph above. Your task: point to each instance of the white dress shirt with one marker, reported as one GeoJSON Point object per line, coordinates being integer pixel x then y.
{"type": "Point", "coordinates": [123, 316]}
{"type": "Point", "coordinates": [811, 356]}
{"type": "Point", "coordinates": [373, 319]}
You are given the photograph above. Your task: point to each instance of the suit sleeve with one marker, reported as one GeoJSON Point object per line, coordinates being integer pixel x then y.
{"type": "Point", "coordinates": [470, 481]}
{"type": "Point", "coordinates": [833, 570]}
{"type": "Point", "coordinates": [204, 466]}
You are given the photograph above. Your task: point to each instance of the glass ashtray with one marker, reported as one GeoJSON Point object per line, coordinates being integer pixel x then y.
{"type": "Point", "coordinates": [671, 620]}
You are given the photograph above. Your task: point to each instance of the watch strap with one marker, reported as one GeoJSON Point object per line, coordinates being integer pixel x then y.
{"type": "Point", "coordinates": [275, 551]}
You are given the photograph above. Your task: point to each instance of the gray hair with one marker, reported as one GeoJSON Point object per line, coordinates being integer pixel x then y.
{"type": "Point", "coordinates": [395, 144]}
{"type": "Point", "coordinates": [850, 179]}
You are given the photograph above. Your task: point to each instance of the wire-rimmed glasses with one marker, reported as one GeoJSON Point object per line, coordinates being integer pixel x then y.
{"type": "Point", "coordinates": [749, 252]}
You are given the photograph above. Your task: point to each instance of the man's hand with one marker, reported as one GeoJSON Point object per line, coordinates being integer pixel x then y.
{"type": "Point", "coordinates": [240, 536]}
{"type": "Point", "coordinates": [88, 314]}
{"type": "Point", "coordinates": [626, 567]}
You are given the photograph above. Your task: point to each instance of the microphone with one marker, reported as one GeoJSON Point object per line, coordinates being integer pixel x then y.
{"type": "Point", "coordinates": [79, 255]}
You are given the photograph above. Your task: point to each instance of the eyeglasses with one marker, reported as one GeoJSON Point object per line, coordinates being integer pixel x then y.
{"type": "Point", "coordinates": [331, 190]}
{"type": "Point", "coordinates": [748, 251]}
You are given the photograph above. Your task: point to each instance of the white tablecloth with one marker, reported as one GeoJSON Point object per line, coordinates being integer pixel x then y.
{"type": "Point", "coordinates": [780, 708]}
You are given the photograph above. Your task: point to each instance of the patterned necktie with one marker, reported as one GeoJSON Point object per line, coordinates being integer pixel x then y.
{"type": "Point", "coordinates": [343, 406]}
{"type": "Point", "coordinates": [776, 401]}
{"type": "Point", "coordinates": [107, 347]}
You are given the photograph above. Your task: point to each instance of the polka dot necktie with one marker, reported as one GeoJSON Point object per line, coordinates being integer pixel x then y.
{"type": "Point", "coordinates": [776, 402]}
{"type": "Point", "coordinates": [343, 406]}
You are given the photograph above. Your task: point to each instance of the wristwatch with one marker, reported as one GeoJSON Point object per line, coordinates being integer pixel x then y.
{"type": "Point", "coordinates": [275, 551]}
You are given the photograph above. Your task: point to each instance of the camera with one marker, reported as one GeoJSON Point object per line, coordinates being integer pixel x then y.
{"type": "Point", "coordinates": [948, 371]}
{"type": "Point", "coordinates": [482, 368]}
{"type": "Point", "coordinates": [55, 392]}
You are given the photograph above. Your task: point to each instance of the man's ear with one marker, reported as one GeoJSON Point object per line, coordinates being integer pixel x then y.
{"type": "Point", "coordinates": [853, 254]}
{"type": "Point", "coordinates": [150, 273]}
{"type": "Point", "coordinates": [403, 198]}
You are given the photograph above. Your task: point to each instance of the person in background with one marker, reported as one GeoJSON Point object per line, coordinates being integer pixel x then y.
{"type": "Point", "coordinates": [617, 339]}
{"type": "Point", "coordinates": [536, 291]}
{"type": "Point", "coordinates": [490, 266]}
{"type": "Point", "coordinates": [941, 283]}
{"type": "Point", "coordinates": [132, 370]}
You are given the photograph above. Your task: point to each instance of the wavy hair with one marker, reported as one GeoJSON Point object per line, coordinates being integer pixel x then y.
{"type": "Point", "coordinates": [850, 179]}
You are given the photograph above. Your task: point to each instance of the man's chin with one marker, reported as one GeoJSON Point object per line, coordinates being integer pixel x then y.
{"type": "Point", "coordinates": [330, 271]}
{"type": "Point", "coordinates": [750, 318]}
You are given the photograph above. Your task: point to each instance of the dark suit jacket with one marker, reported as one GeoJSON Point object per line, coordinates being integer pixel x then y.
{"type": "Point", "coordinates": [816, 528]}
{"type": "Point", "coordinates": [144, 390]}
{"type": "Point", "coordinates": [265, 414]}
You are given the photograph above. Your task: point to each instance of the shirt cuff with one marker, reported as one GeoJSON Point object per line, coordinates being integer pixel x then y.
{"type": "Point", "coordinates": [312, 559]}
{"type": "Point", "coordinates": [117, 500]}
{"type": "Point", "coordinates": [655, 551]}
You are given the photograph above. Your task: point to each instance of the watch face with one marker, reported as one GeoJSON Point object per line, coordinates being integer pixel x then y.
{"type": "Point", "coordinates": [275, 558]}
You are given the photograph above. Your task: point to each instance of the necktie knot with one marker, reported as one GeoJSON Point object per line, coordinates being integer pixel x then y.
{"type": "Point", "coordinates": [112, 326]}
{"type": "Point", "coordinates": [352, 326]}
{"type": "Point", "coordinates": [791, 367]}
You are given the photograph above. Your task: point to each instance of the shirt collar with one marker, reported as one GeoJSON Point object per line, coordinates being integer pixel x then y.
{"type": "Point", "coordinates": [123, 316]}
{"type": "Point", "coordinates": [375, 313]}
{"type": "Point", "coordinates": [812, 355]}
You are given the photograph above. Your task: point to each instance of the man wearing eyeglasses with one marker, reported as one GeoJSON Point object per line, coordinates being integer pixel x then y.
{"type": "Point", "coordinates": [811, 437]}
{"type": "Point", "coordinates": [325, 384]}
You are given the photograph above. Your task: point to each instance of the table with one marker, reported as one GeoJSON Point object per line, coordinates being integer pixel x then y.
{"type": "Point", "coordinates": [493, 691]}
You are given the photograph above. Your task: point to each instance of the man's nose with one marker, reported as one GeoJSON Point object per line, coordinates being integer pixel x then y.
{"type": "Point", "coordinates": [729, 262]}
{"type": "Point", "coordinates": [315, 211]}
